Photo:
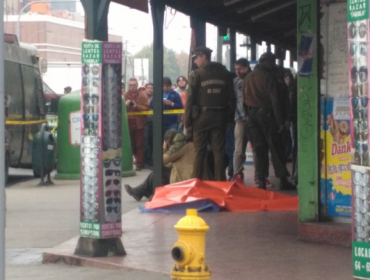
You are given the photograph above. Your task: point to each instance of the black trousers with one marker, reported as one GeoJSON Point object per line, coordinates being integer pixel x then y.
{"type": "Point", "coordinates": [209, 128]}
{"type": "Point", "coordinates": [146, 187]}
{"type": "Point", "coordinates": [262, 132]}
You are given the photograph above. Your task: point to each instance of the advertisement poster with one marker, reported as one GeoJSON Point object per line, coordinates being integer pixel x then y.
{"type": "Point", "coordinates": [100, 215]}
{"type": "Point", "coordinates": [336, 167]}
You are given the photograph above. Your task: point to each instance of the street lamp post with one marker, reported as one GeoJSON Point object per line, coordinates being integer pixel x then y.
{"type": "Point", "coordinates": [29, 4]}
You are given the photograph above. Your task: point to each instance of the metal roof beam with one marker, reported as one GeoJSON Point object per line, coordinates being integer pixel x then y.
{"type": "Point", "coordinates": [253, 6]}
{"type": "Point", "coordinates": [273, 10]}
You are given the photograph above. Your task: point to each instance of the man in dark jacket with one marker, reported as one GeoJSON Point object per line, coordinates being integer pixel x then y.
{"type": "Point", "coordinates": [210, 106]}
{"type": "Point", "coordinates": [171, 101]}
{"type": "Point", "coordinates": [266, 120]}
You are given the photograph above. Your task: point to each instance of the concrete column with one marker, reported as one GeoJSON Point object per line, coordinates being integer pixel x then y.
{"type": "Point", "coordinates": [232, 49]}
{"type": "Point", "coordinates": [157, 9]}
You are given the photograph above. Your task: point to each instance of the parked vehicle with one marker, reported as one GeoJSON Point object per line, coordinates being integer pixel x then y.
{"type": "Point", "coordinates": [24, 98]}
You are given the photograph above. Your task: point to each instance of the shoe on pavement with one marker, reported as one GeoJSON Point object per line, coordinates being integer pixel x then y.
{"type": "Point", "coordinates": [262, 184]}
{"type": "Point", "coordinates": [239, 178]}
{"type": "Point", "coordinates": [138, 168]}
{"type": "Point", "coordinates": [268, 183]}
{"type": "Point", "coordinates": [132, 192]}
{"type": "Point", "coordinates": [285, 185]}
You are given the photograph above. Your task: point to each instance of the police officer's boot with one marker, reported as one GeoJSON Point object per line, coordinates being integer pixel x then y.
{"type": "Point", "coordinates": [285, 185]}
{"type": "Point", "coordinates": [262, 183]}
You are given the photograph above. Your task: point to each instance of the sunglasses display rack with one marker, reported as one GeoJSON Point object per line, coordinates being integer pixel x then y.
{"type": "Point", "coordinates": [359, 90]}
{"type": "Point", "coordinates": [361, 203]}
{"type": "Point", "coordinates": [101, 140]}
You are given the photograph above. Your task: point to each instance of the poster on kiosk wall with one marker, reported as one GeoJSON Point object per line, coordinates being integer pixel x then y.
{"type": "Point", "coordinates": [358, 61]}
{"type": "Point", "coordinates": [336, 170]}
{"type": "Point", "coordinates": [101, 103]}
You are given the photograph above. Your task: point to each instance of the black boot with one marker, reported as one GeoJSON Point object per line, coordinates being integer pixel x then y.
{"type": "Point", "coordinates": [262, 183]}
{"type": "Point", "coordinates": [133, 192]}
{"type": "Point", "coordinates": [285, 185]}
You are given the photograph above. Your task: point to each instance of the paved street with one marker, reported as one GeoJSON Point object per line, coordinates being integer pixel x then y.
{"type": "Point", "coordinates": [257, 245]}
{"type": "Point", "coordinates": [43, 217]}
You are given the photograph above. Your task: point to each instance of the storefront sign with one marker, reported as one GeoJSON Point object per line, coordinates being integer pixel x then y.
{"type": "Point", "coordinates": [357, 10]}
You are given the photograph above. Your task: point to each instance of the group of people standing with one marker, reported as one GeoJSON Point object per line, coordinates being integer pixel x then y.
{"type": "Point", "coordinates": [257, 106]}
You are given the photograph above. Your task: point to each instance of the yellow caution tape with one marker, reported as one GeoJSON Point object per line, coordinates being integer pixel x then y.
{"type": "Point", "coordinates": [165, 112]}
{"type": "Point", "coordinates": [29, 122]}
{"type": "Point", "coordinates": [54, 128]}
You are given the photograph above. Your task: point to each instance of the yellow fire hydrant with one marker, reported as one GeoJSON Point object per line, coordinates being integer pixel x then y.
{"type": "Point", "coordinates": [189, 251]}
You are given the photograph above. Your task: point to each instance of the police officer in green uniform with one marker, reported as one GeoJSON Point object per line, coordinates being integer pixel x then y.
{"type": "Point", "coordinates": [210, 106]}
{"type": "Point", "coordinates": [266, 120]}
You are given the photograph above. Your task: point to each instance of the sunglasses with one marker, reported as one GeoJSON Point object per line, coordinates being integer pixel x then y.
{"type": "Point", "coordinates": [89, 198]}
{"type": "Point", "coordinates": [90, 171]}
{"type": "Point", "coordinates": [361, 191]}
{"type": "Point", "coordinates": [90, 206]}
{"type": "Point", "coordinates": [87, 151]}
{"type": "Point", "coordinates": [112, 208]}
{"type": "Point", "coordinates": [90, 189]}
{"type": "Point", "coordinates": [85, 81]}
{"type": "Point", "coordinates": [360, 135]}
{"type": "Point", "coordinates": [360, 178]}
{"type": "Point", "coordinates": [116, 162]}
{"type": "Point", "coordinates": [356, 48]}
{"type": "Point", "coordinates": [356, 101]}
{"type": "Point", "coordinates": [89, 180]}
{"type": "Point", "coordinates": [359, 74]}
{"type": "Point", "coordinates": [359, 114]}
{"type": "Point", "coordinates": [92, 117]}
{"type": "Point", "coordinates": [111, 172]}
{"type": "Point", "coordinates": [359, 90]}
{"type": "Point", "coordinates": [90, 140]}
{"type": "Point", "coordinates": [93, 98]}
{"type": "Point", "coordinates": [114, 181]}
{"type": "Point", "coordinates": [361, 206]}
{"type": "Point", "coordinates": [113, 199]}
{"type": "Point", "coordinates": [115, 193]}
{"type": "Point", "coordinates": [354, 30]}
{"type": "Point", "coordinates": [90, 109]}
{"type": "Point", "coordinates": [95, 70]}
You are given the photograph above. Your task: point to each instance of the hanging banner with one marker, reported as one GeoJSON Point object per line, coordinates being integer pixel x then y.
{"type": "Point", "coordinates": [101, 140]}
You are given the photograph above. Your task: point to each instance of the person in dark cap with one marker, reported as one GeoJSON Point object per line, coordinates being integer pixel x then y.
{"type": "Point", "coordinates": [265, 120]}
{"type": "Point", "coordinates": [210, 106]}
{"type": "Point", "coordinates": [67, 89]}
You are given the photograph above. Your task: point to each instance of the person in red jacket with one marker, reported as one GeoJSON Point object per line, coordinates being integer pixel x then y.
{"type": "Point", "coordinates": [136, 101]}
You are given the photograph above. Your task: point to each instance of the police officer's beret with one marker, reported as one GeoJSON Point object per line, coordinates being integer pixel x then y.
{"type": "Point", "coordinates": [201, 50]}
{"type": "Point", "coordinates": [268, 56]}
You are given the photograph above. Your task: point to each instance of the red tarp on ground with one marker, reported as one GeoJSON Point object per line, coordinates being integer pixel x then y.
{"type": "Point", "coordinates": [229, 196]}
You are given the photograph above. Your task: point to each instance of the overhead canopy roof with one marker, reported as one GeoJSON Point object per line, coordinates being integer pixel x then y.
{"type": "Point", "coordinates": [141, 5]}
{"type": "Point", "coordinates": [273, 21]}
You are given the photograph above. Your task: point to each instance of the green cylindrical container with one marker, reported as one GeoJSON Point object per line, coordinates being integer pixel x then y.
{"type": "Point", "coordinates": [68, 155]}
{"type": "Point", "coordinates": [127, 164]}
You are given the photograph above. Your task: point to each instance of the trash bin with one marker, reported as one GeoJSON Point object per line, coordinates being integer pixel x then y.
{"type": "Point", "coordinates": [43, 152]}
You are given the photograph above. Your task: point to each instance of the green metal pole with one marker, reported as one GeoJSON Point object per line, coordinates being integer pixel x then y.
{"type": "Point", "coordinates": [96, 13]}
{"type": "Point", "coordinates": [308, 115]}
{"type": "Point", "coordinates": [157, 17]}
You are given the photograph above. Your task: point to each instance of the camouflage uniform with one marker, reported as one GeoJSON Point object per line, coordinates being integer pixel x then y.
{"type": "Point", "coordinates": [210, 105]}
